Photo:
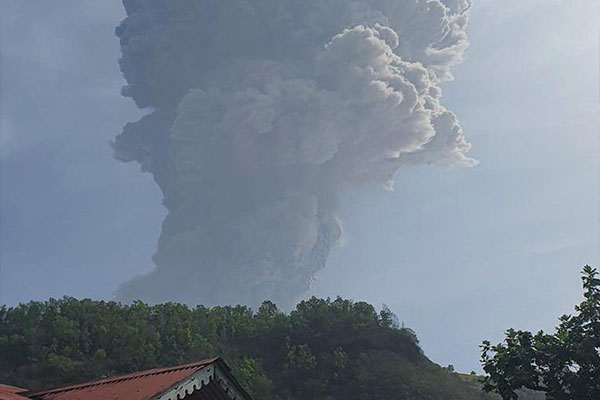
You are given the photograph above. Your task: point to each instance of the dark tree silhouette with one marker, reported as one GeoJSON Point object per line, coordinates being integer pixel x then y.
{"type": "Point", "coordinates": [565, 365]}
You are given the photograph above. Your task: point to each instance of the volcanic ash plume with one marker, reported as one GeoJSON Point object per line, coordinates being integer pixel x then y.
{"type": "Point", "coordinates": [261, 111]}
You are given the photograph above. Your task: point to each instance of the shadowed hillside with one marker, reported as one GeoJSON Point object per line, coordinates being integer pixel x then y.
{"type": "Point", "coordinates": [322, 350]}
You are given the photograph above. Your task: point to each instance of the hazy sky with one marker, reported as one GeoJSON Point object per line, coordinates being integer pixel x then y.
{"type": "Point", "coordinates": [459, 254]}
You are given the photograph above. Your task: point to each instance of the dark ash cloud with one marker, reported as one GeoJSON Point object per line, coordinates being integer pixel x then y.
{"type": "Point", "coordinates": [261, 112]}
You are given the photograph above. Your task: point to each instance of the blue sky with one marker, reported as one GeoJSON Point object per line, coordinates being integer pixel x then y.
{"type": "Point", "coordinates": [459, 254]}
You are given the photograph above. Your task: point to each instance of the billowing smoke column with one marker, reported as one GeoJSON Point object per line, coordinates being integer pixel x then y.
{"type": "Point", "coordinates": [261, 111]}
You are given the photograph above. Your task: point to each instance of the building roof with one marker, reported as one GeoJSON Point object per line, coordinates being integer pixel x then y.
{"type": "Point", "coordinates": [8, 392]}
{"type": "Point", "coordinates": [206, 379]}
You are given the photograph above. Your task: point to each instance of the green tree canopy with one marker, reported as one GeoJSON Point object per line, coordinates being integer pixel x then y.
{"type": "Point", "coordinates": [323, 350]}
{"type": "Point", "coordinates": [565, 365]}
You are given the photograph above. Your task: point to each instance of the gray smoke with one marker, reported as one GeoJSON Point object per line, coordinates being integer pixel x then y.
{"type": "Point", "coordinates": [260, 112]}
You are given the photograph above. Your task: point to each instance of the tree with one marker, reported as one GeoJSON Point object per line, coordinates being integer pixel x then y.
{"type": "Point", "coordinates": [564, 365]}
{"type": "Point", "coordinates": [324, 349]}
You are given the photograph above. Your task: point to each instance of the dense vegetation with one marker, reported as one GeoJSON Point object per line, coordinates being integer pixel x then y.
{"type": "Point", "coordinates": [564, 365]}
{"type": "Point", "coordinates": [323, 350]}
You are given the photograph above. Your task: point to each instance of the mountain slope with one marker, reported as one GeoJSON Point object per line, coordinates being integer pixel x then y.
{"type": "Point", "coordinates": [322, 350]}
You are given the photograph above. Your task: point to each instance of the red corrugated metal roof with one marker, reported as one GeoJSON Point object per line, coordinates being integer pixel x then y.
{"type": "Point", "coordinates": [11, 389]}
{"type": "Point", "coordinates": [137, 386]}
{"type": "Point", "coordinates": [8, 392]}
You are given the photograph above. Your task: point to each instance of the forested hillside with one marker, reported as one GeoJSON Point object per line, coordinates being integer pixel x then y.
{"type": "Point", "coordinates": [322, 350]}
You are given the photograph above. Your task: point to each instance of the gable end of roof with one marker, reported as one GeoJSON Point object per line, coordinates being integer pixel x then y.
{"type": "Point", "coordinates": [217, 372]}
